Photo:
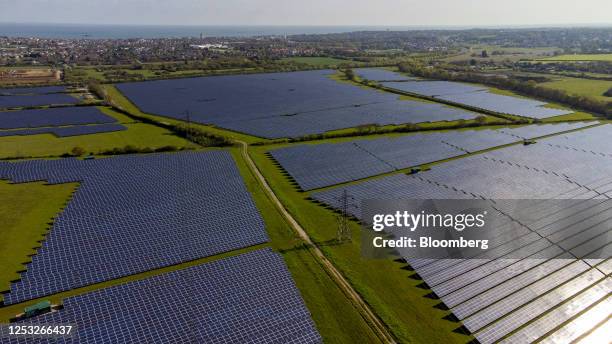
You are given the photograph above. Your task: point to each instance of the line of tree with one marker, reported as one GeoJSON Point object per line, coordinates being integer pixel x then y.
{"type": "Point", "coordinates": [529, 88]}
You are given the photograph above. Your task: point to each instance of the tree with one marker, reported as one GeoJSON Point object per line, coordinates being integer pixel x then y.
{"type": "Point", "coordinates": [77, 151]}
{"type": "Point", "coordinates": [350, 74]}
{"type": "Point", "coordinates": [608, 93]}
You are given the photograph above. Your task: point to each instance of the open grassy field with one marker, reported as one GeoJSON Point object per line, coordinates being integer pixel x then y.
{"type": "Point", "coordinates": [386, 287]}
{"type": "Point", "coordinates": [317, 61]}
{"type": "Point", "coordinates": [139, 135]}
{"type": "Point", "coordinates": [582, 87]}
{"type": "Point", "coordinates": [580, 57]}
{"type": "Point", "coordinates": [26, 209]}
{"type": "Point", "coordinates": [498, 54]}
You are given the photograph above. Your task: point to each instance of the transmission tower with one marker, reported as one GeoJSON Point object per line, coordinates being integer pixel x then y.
{"type": "Point", "coordinates": [346, 203]}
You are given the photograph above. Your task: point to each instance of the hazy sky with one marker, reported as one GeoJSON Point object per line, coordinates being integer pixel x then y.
{"type": "Point", "coordinates": [309, 12]}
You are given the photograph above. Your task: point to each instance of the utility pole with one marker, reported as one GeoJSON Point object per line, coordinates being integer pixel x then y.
{"type": "Point", "coordinates": [344, 232]}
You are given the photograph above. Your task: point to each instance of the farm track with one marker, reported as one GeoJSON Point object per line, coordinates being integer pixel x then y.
{"type": "Point", "coordinates": [377, 326]}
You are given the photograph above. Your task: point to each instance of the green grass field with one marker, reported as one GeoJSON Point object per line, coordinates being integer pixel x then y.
{"type": "Point", "coordinates": [26, 209]}
{"type": "Point", "coordinates": [580, 57]}
{"type": "Point", "coordinates": [44, 145]}
{"type": "Point", "coordinates": [581, 87]}
{"type": "Point", "coordinates": [387, 288]}
{"type": "Point", "coordinates": [317, 61]}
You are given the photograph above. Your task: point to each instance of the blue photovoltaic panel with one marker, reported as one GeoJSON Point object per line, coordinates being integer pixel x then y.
{"type": "Point", "coordinates": [66, 131]}
{"type": "Point", "coordinates": [53, 117]}
{"type": "Point", "coordinates": [378, 74]}
{"type": "Point", "coordinates": [319, 165]}
{"type": "Point", "coordinates": [533, 131]}
{"type": "Point", "coordinates": [478, 97]}
{"type": "Point", "coordinates": [14, 101]}
{"type": "Point", "coordinates": [135, 213]}
{"type": "Point", "coordinates": [433, 88]}
{"type": "Point", "coordinates": [505, 104]}
{"type": "Point", "coordinates": [249, 298]}
{"type": "Point", "coordinates": [275, 105]}
{"type": "Point", "coordinates": [524, 299]}
{"type": "Point", "coordinates": [32, 90]}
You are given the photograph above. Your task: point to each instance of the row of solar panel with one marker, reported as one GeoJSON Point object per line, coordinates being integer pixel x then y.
{"type": "Point", "coordinates": [321, 165]}
{"type": "Point", "coordinates": [275, 105]}
{"type": "Point", "coordinates": [246, 298]}
{"type": "Point", "coordinates": [66, 131]}
{"type": "Point", "coordinates": [118, 220]}
{"type": "Point", "coordinates": [509, 299]}
{"type": "Point", "coordinates": [477, 97]}
{"type": "Point", "coordinates": [31, 90]}
{"type": "Point", "coordinates": [60, 116]}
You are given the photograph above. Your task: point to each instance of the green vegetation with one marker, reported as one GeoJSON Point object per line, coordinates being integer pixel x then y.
{"type": "Point", "coordinates": [580, 57]}
{"type": "Point", "coordinates": [581, 87]}
{"type": "Point", "coordinates": [318, 61]}
{"type": "Point", "coordinates": [44, 145]}
{"type": "Point", "coordinates": [382, 283]}
{"type": "Point", "coordinates": [25, 213]}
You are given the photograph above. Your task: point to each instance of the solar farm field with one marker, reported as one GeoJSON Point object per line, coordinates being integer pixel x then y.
{"type": "Point", "coordinates": [478, 97]}
{"type": "Point", "coordinates": [35, 118]}
{"type": "Point", "coordinates": [336, 163]}
{"type": "Point", "coordinates": [240, 243]}
{"type": "Point", "coordinates": [83, 238]}
{"type": "Point", "coordinates": [281, 104]}
{"type": "Point", "coordinates": [233, 289]}
{"type": "Point", "coordinates": [529, 299]}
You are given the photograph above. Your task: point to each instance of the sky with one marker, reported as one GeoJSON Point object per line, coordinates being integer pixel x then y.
{"type": "Point", "coordinates": [310, 12]}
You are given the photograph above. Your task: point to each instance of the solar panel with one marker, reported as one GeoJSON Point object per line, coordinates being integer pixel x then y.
{"type": "Point", "coordinates": [15, 101]}
{"type": "Point", "coordinates": [135, 213]}
{"type": "Point", "coordinates": [514, 294]}
{"type": "Point", "coordinates": [275, 105]}
{"type": "Point", "coordinates": [66, 131]}
{"type": "Point", "coordinates": [31, 90]}
{"type": "Point", "coordinates": [478, 97]}
{"type": "Point", "coordinates": [34, 118]}
{"type": "Point", "coordinates": [246, 298]}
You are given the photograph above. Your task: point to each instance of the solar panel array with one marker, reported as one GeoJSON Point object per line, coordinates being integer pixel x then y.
{"type": "Point", "coordinates": [378, 74]}
{"type": "Point", "coordinates": [319, 165]}
{"type": "Point", "coordinates": [67, 131]}
{"type": "Point", "coordinates": [535, 298]}
{"type": "Point", "coordinates": [533, 131]}
{"type": "Point", "coordinates": [478, 97]}
{"type": "Point", "coordinates": [275, 105]}
{"type": "Point", "coordinates": [135, 213]}
{"type": "Point", "coordinates": [245, 298]}
{"type": "Point", "coordinates": [506, 104]}
{"type": "Point", "coordinates": [32, 90]}
{"type": "Point", "coordinates": [16, 101]}
{"type": "Point", "coordinates": [34, 118]}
